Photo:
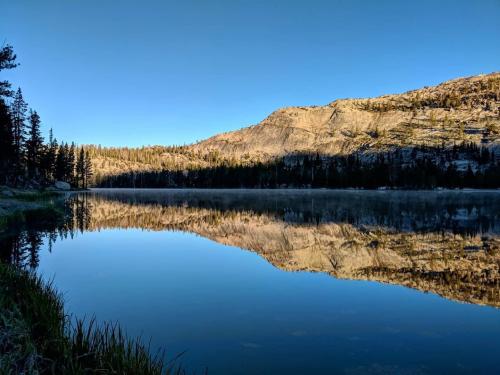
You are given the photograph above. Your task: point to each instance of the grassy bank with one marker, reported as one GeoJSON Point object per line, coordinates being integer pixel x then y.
{"type": "Point", "coordinates": [37, 337]}
{"type": "Point", "coordinates": [16, 205]}
{"type": "Point", "coordinates": [37, 196]}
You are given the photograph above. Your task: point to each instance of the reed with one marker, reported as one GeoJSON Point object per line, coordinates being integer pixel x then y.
{"type": "Point", "coordinates": [37, 337]}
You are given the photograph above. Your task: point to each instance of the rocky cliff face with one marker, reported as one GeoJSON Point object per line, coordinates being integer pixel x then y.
{"type": "Point", "coordinates": [466, 109]}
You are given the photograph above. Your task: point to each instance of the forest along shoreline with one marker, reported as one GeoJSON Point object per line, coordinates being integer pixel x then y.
{"type": "Point", "coordinates": [37, 334]}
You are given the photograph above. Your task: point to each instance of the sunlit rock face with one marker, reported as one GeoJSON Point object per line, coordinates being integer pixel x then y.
{"type": "Point", "coordinates": [457, 111]}
{"type": "Point", "coordinates": [442, 244]}
{"type": "Point", "coordinates": [464, 109]}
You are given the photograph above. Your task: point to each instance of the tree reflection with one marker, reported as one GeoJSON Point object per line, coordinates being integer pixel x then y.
{"type": "Point", "coordinates": [448, 244]}
{"type": "Point", "coordinates": [23, 236]}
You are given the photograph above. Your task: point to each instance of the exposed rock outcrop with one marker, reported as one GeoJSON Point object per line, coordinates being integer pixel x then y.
{"type": "Point", "coordinates": [466, 109]}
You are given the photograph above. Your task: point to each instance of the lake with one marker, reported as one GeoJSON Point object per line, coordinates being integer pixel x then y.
{"type": "Point", "coordinates": [285, 281]}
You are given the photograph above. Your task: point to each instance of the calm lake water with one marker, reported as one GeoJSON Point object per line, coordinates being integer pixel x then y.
{"type": "Point", "coordinates": [287, 282]}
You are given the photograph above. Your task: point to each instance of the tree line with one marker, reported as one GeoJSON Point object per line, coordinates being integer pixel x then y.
{"type": "Point", "coordinates": [26, 160]}
{"type": "Point", "coordinates": [465, 165]}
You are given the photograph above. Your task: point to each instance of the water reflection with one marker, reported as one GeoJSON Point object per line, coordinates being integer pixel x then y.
{"type": "Point", "coordinates": [440, 242]}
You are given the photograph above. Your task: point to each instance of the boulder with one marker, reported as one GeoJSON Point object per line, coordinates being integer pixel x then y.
{"type": "Point", "coordinates": [61, 185]}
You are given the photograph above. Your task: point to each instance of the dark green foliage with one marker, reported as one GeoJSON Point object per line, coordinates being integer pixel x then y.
{"type": "Point", "coordinates": [70, 165]}
{"type": "Point", "coordinates": [18, 114]}
{"type": "Point", "coordinates": [7, 61]}
{"type": "Point", "coordinates": [83, 169]}
{"type": "Point", "coordinates": [80, 169]}
{"type": "Point", "coordinates": [424, 168]}
{"type": "Point", "coordinates": [87, 170]}
{"type": "Point", "coordinates": [49, 158]}
{"type": "Point", "coordinates": [37, 196]}
{"type": "Point", "coordinates": [34, 146]}
{"type": "Point", "coordinates": [60, 166]}
{"type": "Point", "coordinates": [24, 158]}
{"type": "Point", "coordinates": [6, 143]}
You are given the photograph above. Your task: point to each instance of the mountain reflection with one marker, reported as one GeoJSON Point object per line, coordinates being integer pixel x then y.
{"type": "Point", "coordinates": [447, 243]}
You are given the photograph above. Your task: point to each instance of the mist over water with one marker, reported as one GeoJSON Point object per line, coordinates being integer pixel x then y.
{"type": "Point", "coordinates": [284, 281]}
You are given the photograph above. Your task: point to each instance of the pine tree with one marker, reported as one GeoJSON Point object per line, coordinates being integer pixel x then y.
{"type": "Point", "coordinates": [6, 143]}
{"type": "Point", "coordinates": [53, 147]}
{"type": "Point", "coordinates": [49, 160]}
{"type": "Point", "coordinates": [7, 61]}
{"type": "Point", "coordinates": [34, 146]}
{"type": "Point", "coordinates": [71, 163]}
{"type": "Point", "coordinates": [88, 169]}
{"type": "Point", "coordinates": [60, 164]}
{"type": "Point", "coordinates": [67, 174]}
{"type": "Point", "coordinates": [18, 112]}
{"type": "Point", "coordinates": [80, 169]}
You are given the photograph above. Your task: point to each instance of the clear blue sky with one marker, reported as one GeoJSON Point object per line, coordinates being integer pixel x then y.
{"type": "Point", "coordinates": [172, 72]}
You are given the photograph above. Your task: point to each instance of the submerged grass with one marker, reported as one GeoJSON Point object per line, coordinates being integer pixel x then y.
{"type": "Point", "coordinates": [37, 337]}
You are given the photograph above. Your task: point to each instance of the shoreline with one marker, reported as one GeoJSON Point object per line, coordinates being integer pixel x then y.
{"type": "Point", "coordinates": [14, 203]}
{"type": "Point", "coordinates": [436, 190]}
{"type": "Point", "coordinates": [38, 336]}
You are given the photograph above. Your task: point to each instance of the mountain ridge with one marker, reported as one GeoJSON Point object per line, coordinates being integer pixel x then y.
{"type": "Point", "coordinates": [347, 125]}
{"type": "Point", "coordinates": [461, 111]}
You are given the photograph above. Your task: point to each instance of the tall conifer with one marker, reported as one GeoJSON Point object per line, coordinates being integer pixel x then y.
{"type": "Point", "coordinates": [80, 169]}
{"type": "Point", "coordinates": [88, 169]}
{"type": "Point", "coordinates": [34, 145]}
{"type": "Point", "coordinates": [18, 112]}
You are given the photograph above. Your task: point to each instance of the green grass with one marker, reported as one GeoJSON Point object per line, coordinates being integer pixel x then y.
{"type": "Point", "coordinates": [37, 196]}
{"type": "Point", "coordinates": [47, 207]}
{"type": "Point", "coordinates": [37, 337]}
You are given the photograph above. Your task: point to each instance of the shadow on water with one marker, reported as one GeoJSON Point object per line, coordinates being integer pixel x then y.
{"type": "Point", "coordinates": [442, 242]}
